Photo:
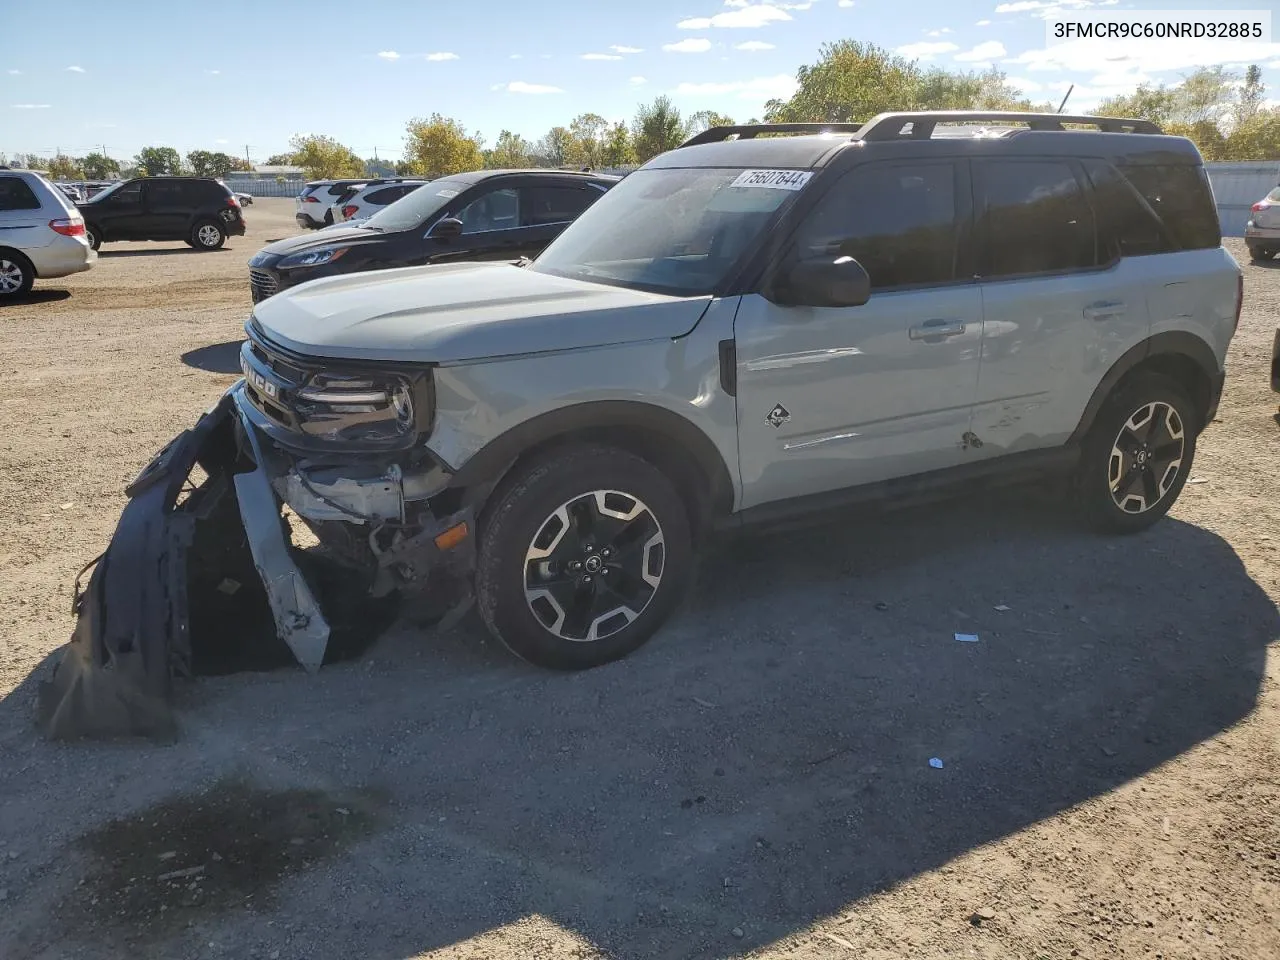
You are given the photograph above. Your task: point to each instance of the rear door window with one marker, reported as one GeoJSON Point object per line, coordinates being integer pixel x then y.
{"type": "Point", "coordinates": [556, 203]}
{"type": "Point", "coordinates": [901, 221]}
{"type": "Point", "coordinates": [1036, 218]}
{"type": "Point", "coordinates": [167, 193]}
{"type": "Point", "coordinates": [1127, 226]}
{"type": "Point", "coordinates": [495, 210]}
{"type": "Point", "coordinates": [16, 194]}
{"type": "Point", "coordinates": [1182, 198]}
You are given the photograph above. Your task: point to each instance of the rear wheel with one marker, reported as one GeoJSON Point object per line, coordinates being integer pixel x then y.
{"type": "Point", "coordinates": [208, 236]}
{"type": "Point", "coordinates": [582, 557]}
{"type": "Point", "coordinates": [1138, 455]}
{"type": "Point", "coordinates": [16, 274]}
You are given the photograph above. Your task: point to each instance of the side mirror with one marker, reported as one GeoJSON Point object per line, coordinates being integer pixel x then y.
{"type": "Point", "coordinates": [446, 229]}
{"type": "Point", "coordinates": [823, 282]}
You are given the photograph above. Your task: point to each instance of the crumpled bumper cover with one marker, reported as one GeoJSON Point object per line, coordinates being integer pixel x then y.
{"type": "Point", "coordinates": [213, 557]}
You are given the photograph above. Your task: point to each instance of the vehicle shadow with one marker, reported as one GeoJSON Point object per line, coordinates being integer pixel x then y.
{"type": "Point", "coordinates": [765, 761]}
{"type": "Point", "coordinates": [157, 252]}
{"type": "Point", "coordinates": [215, 358]}
{"type": "Point", "coordinates": [36, 296]}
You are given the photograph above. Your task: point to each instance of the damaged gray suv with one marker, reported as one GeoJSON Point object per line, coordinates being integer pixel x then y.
{"type": "Point", "coordinates": [746, 328]}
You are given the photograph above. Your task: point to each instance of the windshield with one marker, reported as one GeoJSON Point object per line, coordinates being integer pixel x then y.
{"type": "Point", "coordinates": [1274, 194]}
{"type": "Point", "coordinates": [676, 231]}
{"type": "Point", "coordinates": [413, 208]}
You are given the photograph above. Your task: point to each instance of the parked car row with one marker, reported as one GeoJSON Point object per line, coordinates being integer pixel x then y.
{"type": "Point", "coordinates": [322, 202]}
{"type": "Point", "coordinates": [483, 215]}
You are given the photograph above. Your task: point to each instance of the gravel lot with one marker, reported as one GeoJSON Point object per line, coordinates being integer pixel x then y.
{"type": "Point", "coordinates": [755, 781]}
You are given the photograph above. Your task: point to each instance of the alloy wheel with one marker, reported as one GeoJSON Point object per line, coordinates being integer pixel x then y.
{"type": "Point", "coordinates": [594, 565]}
{"type": "Point", "coordinates": [11, 277]}
{"type": "Point", "coordinates": [209, 235]}
{"type": "Point", "coordinates": [1146, 457]}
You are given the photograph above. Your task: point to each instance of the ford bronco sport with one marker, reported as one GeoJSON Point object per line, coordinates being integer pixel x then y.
{"type": "Point", "coordinates": [745, 328]}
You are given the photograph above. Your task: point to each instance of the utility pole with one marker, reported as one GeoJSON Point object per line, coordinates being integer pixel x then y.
{"type": "Point", "coordinates": [246, 157]}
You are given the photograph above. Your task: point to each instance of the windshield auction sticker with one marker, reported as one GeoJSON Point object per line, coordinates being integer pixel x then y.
{"type": "Point", "coordinates": [773, 179]}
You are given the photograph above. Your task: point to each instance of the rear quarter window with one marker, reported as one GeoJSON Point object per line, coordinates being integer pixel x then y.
{"type": "Point", "coordinates": [16, 194]}
{"type": "Point", "coordinates": [1182, 199]}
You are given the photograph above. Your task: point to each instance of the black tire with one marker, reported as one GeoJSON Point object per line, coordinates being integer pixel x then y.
{"type": "Point", "coordinates": [93, 236]}
{"type": "Point", "coordinates": [328, 218]}
{"type": "Point", "coordinates": [1139, 458]}
{"type": "Point", "coordinates": [203, 237]}
{"type": "Point", "coordinates": [16, 275]}
{"type": "Point", "coordinates": [528, 505]}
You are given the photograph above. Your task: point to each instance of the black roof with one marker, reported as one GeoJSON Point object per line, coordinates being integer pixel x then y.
{"type": "Point", "coordinates": [931, 133]}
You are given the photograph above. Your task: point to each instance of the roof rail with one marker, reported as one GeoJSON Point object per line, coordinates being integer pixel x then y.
{"type": "Point", "coordinates": [747, 131]}
{"type": "Point", "coordinates": [889, 126]}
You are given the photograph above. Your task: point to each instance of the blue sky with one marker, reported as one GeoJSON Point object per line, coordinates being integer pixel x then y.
{"type": "Point", "coordinates": [237, 73]}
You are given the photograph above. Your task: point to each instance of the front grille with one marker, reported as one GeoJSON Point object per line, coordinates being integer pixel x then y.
{"type": "Point", "coordinates": [262, 285]}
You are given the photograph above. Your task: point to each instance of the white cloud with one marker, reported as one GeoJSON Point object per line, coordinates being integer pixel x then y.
{"type": "Point", "coordinates": [845, 3]}
{"type": "Point", "coordinates": [983, 23]}
{"type": "Point", "coordinates": [983, 53]}
{"type": "Point", "coordinates": [1123, 64]}
{"type": "Point", "coordinates": [1022, 6]}
{"type": "Point", "coordinates": [545, 56]}
{"type": "Point", "coordinates": [747, 17]}
{"type": "Point", "coordinates": [76, 69]}
{"type": "Point", "coordinates": [781, 86]}
{"type": "Point", "coordinates": [14, 73]}
{"type": "Point", "coordinates": [1050, 8]}
{"type": "Point", "coordinates": [926, 51]}
{"type": "Point", "coordinates": [795, 6]}
{"type": "Point", "coordinates": [30, 106]}
{"type": "Point", "coordinates": [214, 73]}
{"type": "Point", "coordinates": [600, 56]}
{"type": "Point", "coordinates": [692, 45]}
{"type": "Point", "coordinates": [388, 55]}
{"type": "Point", "coordinates": [938, 33]}
{"type": "Point", "coordinates": [1025, 85]}
{"type": "Point", "coordinates": [442, 55]}
{"type": "Point", "coordinates": [222, 140]}
{"type": "Point", "coordinates": [737, 3]}
{"type": "Point", "coordinates": [620, 48]}
{"type": "Point", "coordinates": [637, 81]}
{"type": "Point", "coordinates": [516, 56]}
{"type": "Point", "coordinates": [519, 86]}
{"type": "Point", "coordinates": [754, 45]}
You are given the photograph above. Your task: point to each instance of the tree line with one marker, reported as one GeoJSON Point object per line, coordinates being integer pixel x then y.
{"type": "Point", "coordinates": [1223, 112]}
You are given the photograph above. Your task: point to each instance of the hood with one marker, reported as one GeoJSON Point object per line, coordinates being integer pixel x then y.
{"type": "Point", "coordinates": [465, 311]}
{"type": "Point", "coordinates": [328, 237]}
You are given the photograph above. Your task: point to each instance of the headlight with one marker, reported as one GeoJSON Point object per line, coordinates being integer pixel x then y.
{"type": "Point", "coordinates": [359, 408]}
{"type": "Point", "coordinates": [312, 258]}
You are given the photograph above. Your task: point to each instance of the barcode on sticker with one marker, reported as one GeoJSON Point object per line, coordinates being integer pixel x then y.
{"type": "Point", "coordinates": [773, 179]}
{"type": "Point", "coordinates": [447, 194]}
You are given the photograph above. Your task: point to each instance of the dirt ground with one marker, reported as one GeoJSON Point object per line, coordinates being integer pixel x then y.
{"type": "Point", "coordinates": [756, 781]}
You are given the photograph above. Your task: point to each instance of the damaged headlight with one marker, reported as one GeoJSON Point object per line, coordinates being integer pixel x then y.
{"type": "Point", "coordinates": [312, 404]}
{"type": "Point", "coordinates": [356, 407]}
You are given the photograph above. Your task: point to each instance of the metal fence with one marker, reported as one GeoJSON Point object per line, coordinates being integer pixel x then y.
{"type": "Point", "coordinates": [1238, 185]}
{"type": "Point", "coordinates": [265, 187]}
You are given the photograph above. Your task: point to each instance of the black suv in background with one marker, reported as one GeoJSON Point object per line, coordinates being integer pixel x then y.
{"type": "Point", "coordinates": [199, 210]}
{"type": "Point", "coordinates": [483, 215]}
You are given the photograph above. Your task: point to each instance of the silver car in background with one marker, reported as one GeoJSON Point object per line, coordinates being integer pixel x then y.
{"type": "Point", "coordinates": [41, 233]}
{"type": "Point", "coordinates": [1262, 232]}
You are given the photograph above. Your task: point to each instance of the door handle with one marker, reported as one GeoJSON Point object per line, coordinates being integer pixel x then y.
{"type": "Point", "coordinates": [935, 328]}
{"type": "Point", "coordinates": [1104, 310]}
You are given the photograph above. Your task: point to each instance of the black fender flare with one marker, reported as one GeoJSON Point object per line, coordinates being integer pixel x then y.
{"type": "Point", "coordinates": [1172, 343]}
{"type": "Point", "coordinates": [493, 461]}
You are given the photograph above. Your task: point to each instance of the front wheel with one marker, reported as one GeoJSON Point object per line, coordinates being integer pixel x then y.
{"type": "Point", "coordinates": [93, 236]}
{"type": "Point", "coordinates": [1138, 455]}
{"type": "Point", "coordinates": [582, 557]}
{"type": "Point", "coordinates": [16, 275]}
{"type": "Point", "coordinates": [208, 236]}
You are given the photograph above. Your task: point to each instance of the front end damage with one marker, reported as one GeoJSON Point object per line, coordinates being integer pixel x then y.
{"type": "Point", "coordinates": [208, 573]}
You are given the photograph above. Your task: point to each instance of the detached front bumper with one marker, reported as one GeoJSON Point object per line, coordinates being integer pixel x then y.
{"type": "Point", "coordinates": [182, 579]}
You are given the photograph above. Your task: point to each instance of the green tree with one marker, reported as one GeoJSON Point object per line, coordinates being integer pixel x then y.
{"type": "Point", "coordinates": [588, 133]}
{"type": "Point", "coordinates": [206, 164]}
{"type": "Point", "coordinates": [438, 146]}
{"type": "Point", "coordinates": [1207, 95]}
{"type": "Point", "coordinates": [1145, 103]}
{"type": "Point", "coordinates": [1205, 134]}
{"type": "Point", "coordinates": [706, 119]}
{"type": "Point", "coordinates": [280, 160]}
{"type": "Point", "coordinates": [1256, 138]}
{"type": "Point", "coordinates": [159, 161]}
{"type": "Point", "coordinates": [98, 166]}
{"type": "Point", "coordinates": [851, 82]}
{"type": "Point", "coordinates": [63, 167]}
{"type": "Point", "coordinates": [618, 151]}
{"type": "Point", "coordinates": [554, 147]}
{"type": "Point", "coordinates": [1252, 96]}
{"type": "Point", "coordinates": [510, 151]}
{"type": "Point", "coordinates": [658, 127]}
{"type": "Point", "coordinates": [324, 158]}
